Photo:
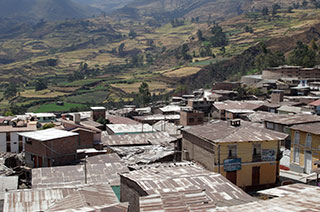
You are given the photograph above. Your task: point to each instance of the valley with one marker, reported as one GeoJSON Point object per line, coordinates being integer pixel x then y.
{"type": "Point", "coordinates": [104, 59]}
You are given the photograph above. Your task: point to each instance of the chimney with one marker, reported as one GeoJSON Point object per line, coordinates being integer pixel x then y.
{"type": "Point", "coordinates": [77, 118]}
{"type": "Point", "coordinates": [235, 122]}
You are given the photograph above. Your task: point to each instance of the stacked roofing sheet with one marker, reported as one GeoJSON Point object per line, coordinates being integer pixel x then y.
{"type": "Point", "coordinates": [135, 139]}
{"type": "Point", "coordinates": [76, 198]}
{"type": "Point", "coordinates": [185, 180]}
{"type": "Point", "coordinates": [292, 198]}
{"type": "Point", "coordinates": [105, 172]}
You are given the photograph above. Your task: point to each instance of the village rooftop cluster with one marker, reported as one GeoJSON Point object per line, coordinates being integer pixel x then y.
{"type": "Point", "coordinates": [212, 150]}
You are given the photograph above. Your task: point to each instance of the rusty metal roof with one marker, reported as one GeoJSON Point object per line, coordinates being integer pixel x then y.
{"type": "Point", "coordinates": [312, 128]}
{"type": "Point", "coordinates": [134, 155]}
{"type": "Point", "coordinates": [104, 158]}
{"type": "Point", "coordinates": [76, 198]}
{"type": "Point", "coordinates": [291, 119]}
{"type": "Point", "coordinates": [73, 175]}
{"type": "Point", "coordinates": [130, 128]}
{"type": "Point", "coordinates": [158, 117]}
{"type": "Point", "coordinates": [175, 178]}
{"type": "Point", "coordinates": [135, 139]}
{"type": "Point", "coordinates": [120, 120]}
{"type": "Point", "coordinates": [222, 131]}
{"type": "Point", "coordinates": [299, 197]}
{"type": "Point", "coordinates": [229, 105]}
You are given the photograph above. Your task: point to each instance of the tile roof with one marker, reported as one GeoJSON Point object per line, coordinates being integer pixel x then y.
{"type": "Point", "coordinates": [315, 103]}
{"type": "Point", "coordinates": [222, 131]}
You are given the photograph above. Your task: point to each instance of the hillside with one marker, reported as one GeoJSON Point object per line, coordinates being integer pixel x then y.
{"type": "Point", "coordinates": [103, 5]}
{"type": "Point", "coordinates": [33, 10]}
{"type": "Point", "coordinates": [103, 60]}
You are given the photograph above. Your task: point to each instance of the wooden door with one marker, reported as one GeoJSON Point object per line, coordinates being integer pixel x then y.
{"type": "Point", "coordinates": [40, 161]}
{"type": "Point", "coordinates": [35, 162]}
{"type": "Point", "coordinates": [255, 175]}
{"type": "Point", "coordinates": [232, 176]}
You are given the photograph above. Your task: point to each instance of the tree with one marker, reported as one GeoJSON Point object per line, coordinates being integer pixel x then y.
{"type": "Point", "coordinates": [120, 49]}
{"type": "Point", "coordinates": [265, 11]}
{"type": "Point", "coordinates": [40, 85]}
{"type": "Point", "coordinates": [304, 56]}
{"type": "Point", "coordinates": [48, 126]}
{"type": "Point", "coordinates": [132, 34]}
{"type": "Point", "coordinates": [11, 90]}
{"type": "Point", "coordinates": [275, 8]}
{"type": "Point", "coordinates": [200, 36]}
{"type": "Point", "coordinates": [219, 38]}
{"type": "Point", "coordinates": [304, 3]}
{"type": "Point", "coordinates": [144, 94]}
{"type": "Point", "coordinates": [184, 52]}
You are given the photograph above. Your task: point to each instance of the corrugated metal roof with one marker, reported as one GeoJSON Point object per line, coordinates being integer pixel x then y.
{"type": "Point", "coordinates": [229, 105]}
{"type": "Point", "coordinates": [76, 198]}
{"type": "Point", "coordinates": [295, 199]}
{"type": "Point", "coordinates": [135, 139]}
{"type": "Point", "coordinates": [130, 128]}
{"type": "Point", "coordinates": [74, 175]}
{"type": "Point", "coordinates": [175, 178]}
{"type": "Point", "coordinates": [291, 119]}
{"type": "Point", "coordinates": [143, 154]}
{"type": "Point", "coordinates": [120, 120]}
{"type": "Point", "coordinates": [48, 134]}
{"type": "Point", "coordinates": [222, 131]}
{"type": "Point", "coordinates": [8, 183]}
{"type": "Point", "coordinates": [158, 117]}
{"type": "Point", "coordinates": [310, 128]}
{"type": "Point", "coordinates": [165, 126]}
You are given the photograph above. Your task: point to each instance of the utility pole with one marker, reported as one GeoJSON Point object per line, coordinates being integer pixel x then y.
{"type": "Point", "coordinates": [218, 158]}
{"type": "Point", "coordinates": [85, 169]}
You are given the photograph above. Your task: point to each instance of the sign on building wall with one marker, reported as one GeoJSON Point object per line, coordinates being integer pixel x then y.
{"type": "Point", "coordinates": [268, 155]}
{"type": "Point", "coordinates": [230, 165]}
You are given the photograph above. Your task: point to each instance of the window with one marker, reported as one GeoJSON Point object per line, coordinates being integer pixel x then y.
{"type": "Point", "coordinates": [270, 125]}
{"type": "Point", "coordinates": [232, 151]}
{"type": "Point", "coordinates": [29, 141]}
{"type": "Point", "coordinates": [296, 138]}
{"type": "Point", "coordinates": [256, 152]}
{"type": "Point", "coordinates": [308, 140]}
{"type": "Point", "coordinates": [8, 136]}
{"type": "Point", "coordinates": [20, 138]}
{"type": "Point", "coordinates": [8, 147]}
{"type": "Point", "coordinates": [296, 155]}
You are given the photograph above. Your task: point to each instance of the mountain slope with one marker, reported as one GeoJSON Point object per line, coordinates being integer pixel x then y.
{"type": "Point", "coordinates": [106, 6]}
{"type": "Point", "coordinates": [33, 10]}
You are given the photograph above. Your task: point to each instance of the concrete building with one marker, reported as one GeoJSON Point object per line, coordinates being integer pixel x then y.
{"type": "Point", "coordinates": [43, 117]}
{"type": "Point", "coordinates": [137, 187]}
{"type": "Point", "coordinates": [120, 129]}
{"type": "Point", "coordinates": [50, 147]}
{"type": "Point", "coordinates": [10, 140]}
{"type": "Point", "coordinates": [296, 72]}
{"type": "Point", "coordinates": [315, 106]}
{"type": "Point", "coordinates": [305, 147]}
{"type": "Point", "coordinates": [245, 153]}
{"type": "Point", "coordinates": [201, 104]}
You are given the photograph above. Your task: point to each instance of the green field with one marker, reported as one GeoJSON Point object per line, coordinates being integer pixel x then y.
{"type": "Point", "coordinates": [53, 107]}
